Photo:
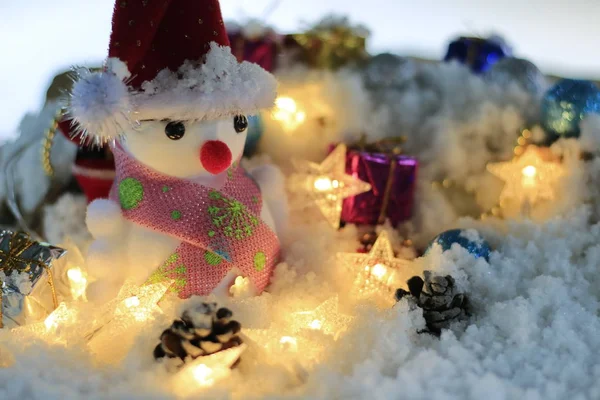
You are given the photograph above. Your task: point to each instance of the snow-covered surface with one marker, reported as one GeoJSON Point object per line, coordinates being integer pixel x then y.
{"type": "Point", "coordinates": [534, 332]}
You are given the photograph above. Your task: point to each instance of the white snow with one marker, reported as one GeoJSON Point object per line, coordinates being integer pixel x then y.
{"type": "Point", "coordinates": [219, 87]}
{"type": "Point", "coordinates": [534, 332]}
{"type": "Point", "coordinates": [472, 235]}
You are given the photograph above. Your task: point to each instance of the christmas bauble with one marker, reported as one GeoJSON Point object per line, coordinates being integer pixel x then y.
{"type": "Point", "coordinates": [565, 104]}
{"type": "Point", "coordinates": [256, 128]}
{"type": "Point", "coordinates": [517, 70]}
{"type": "Point", "coordinates": [468, 239]}
{"type": "Point", "coordinates": [385, 71]}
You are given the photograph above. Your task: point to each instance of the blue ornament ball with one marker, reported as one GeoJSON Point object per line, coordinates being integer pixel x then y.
{"type": "Point", "coordinates": [565, 104]}
{"type": "Point", "coordinates": [256, 128]}
{"type": "Point", "coordinates": [478, 248]}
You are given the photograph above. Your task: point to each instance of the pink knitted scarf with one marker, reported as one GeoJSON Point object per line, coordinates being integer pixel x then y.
{"type": "Point", "coordinates": [219, 229]}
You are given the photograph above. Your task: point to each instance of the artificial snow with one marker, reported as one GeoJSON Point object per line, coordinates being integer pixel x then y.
{"type": "Point", "coordinates": [534, 328]}
{"type": "Point", "coordinates": [219, 87]}
{"type": "Point", "coordinates": [472, 236]}
{"type": "Point", "coordinates": [533, 333]}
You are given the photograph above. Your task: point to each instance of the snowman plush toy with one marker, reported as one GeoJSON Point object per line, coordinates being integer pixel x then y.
{"type": "Point", "coordinates": [172, 102]}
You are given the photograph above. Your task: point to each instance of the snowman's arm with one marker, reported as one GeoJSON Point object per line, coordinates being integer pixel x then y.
{"type": "Point", "coordinates": [271, 181]}
{"type": "Point", "coordinates": [147, 250]}
{"type": "Point", "coordinates": [104, 219]}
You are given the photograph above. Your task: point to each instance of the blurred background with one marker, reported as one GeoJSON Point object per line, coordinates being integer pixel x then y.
{"type": "Point", "coordinates": [41, 37]}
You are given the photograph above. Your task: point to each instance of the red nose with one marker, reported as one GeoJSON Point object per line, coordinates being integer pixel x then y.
{"type": "Point", "coordinates": [215, 156]}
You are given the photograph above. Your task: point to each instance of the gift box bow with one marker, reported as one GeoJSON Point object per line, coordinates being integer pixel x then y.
{"type": "Point", "coordinates": [19, 254]}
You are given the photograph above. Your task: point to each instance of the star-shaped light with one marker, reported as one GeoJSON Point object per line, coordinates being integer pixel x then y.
{"type": "Point", "coordinates": [206, 371]}
{"type": "Point", "coordinates": [141, 301]}
{"type": "Point", "coordinates": [132, 308]}
{"type": "Point", "coordinates": [328, 184]}
{"type": "Point", "coordinates": [133, 304]}
{"type": "Point", "coordinates": [276, 344]}
{"type": "Point", "coordinates": [379, 270]}
{"type": "Point", "coordinates": [300, 338]}
{"type": "Point", "coordinates": [326, 318]}
{"type": "Point", "coordinates": [528, 177]}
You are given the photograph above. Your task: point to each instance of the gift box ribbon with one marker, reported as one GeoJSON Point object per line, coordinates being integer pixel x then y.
{"type": "Point", "coordinates": [13, 260]}
{"type": "Point", "coordinates": [381, 165]}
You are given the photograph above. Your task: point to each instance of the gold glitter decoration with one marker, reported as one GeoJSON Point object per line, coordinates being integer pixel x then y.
{"type": "Point", "coordinates": [49, 135]}
{"type": "Point", "coordinates": [332, 44]}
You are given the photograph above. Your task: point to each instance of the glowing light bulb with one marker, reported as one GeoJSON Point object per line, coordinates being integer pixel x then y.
{"type": "Point", "coordinates": [62, 315]}
{"type": "Point", "coordinates": [285, 104]}
{"type": "Point", "coordinates": [131, 302]}
{"type": "Point", "coordinates": [379, 271]}
{"type": "Point", "coordinates": [529, 174]}
{"type": "Point", "coordinates": [289, 343]}
{"type": "Point", "coordinates": [529, 171]}
{"type": "Point", "coordinates": [528, 178]}
{"type": "Point", "coordinates": [323, 184]}
{"type": "Point", "coordinates": [286, 111]}
{"type": "Point", "coordinates": [77, 281]}
{"type": "Point", "coordinates": [203, 375]}
{"type": "Point", "coordinates": [316, 324]}
{"type": "Point", "coordinates": [51, 321]}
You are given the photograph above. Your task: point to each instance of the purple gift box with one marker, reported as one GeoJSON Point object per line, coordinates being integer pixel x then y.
{"type": "Point", "coordinates": [262, 51]}
{"type": "Point", "coordinates": [392, 178]}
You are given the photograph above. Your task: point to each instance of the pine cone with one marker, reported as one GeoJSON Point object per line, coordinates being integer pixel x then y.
{"type": "Point", "coordinates": [201, 331]}
{"type": "Point", "coordinates": [438, 297]}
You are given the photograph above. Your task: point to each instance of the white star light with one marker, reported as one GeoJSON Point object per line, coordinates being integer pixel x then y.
{"type": "Point", "coordinates": [328, 184]}
{"type": "Point", "coordinates": [379, 270]}
{"type": "Point", "coordinates": [527, 178]}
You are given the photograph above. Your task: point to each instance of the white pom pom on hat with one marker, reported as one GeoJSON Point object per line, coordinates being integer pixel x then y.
{"type": "Point", "coordinates": [100, 103]}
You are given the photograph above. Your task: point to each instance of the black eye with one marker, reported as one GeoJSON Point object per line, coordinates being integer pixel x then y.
{"type": "Point", "coordinates": [175, 130]}
{"type": "Point", "coordinates": [240, 123]}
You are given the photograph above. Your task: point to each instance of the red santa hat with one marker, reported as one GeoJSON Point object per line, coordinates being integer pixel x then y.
{"type": "Point", "coordinates": [167, 60]}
